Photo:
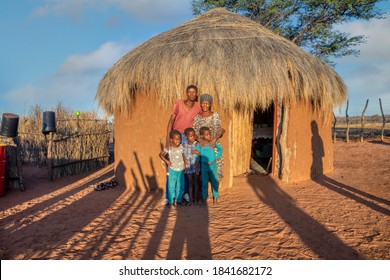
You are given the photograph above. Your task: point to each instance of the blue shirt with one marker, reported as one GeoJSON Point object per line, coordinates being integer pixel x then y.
{"type": "Point", "coordinates": [191, 158]}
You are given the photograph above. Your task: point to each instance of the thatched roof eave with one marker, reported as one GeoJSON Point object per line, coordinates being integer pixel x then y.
{"type": "Point", "coordinates": [232, 57]}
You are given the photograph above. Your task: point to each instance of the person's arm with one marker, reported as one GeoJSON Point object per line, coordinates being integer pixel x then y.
{"type": "Point", "coordinates": [197, 150]}
{"type": "Point", "coordinates": [220, 130]}
{"type": "Point", "coordinates": [185, 161]}
{"type": "Point", "coordinates": [217, 136]}
{"type": "Point", "coordinates": [169, 128]}
{"type": "Point", "coordinates": [196, 127]}
{"type": "Point", "coordinates": [220, 150]}
{"type": "Point", "coordinates": [162, 156]}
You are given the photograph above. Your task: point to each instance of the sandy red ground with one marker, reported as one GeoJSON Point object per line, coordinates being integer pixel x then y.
{"type": "Point", "coordinates": [344, 215]}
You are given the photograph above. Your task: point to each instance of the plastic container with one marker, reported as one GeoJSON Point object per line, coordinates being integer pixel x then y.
{"type": "Point", "coordinates": [9, 125]}
{"type": "Point", "coordinates": [49, 122]}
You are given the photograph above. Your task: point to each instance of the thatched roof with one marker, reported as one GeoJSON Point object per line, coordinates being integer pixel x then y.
{"type": "Point", "coordinates": [241, 63]}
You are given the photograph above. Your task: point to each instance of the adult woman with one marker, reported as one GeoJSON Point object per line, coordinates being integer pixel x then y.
{"type": "Point", "coordinates": [183, 113]}
{"type": "Point", "coordinates": [211, 120]}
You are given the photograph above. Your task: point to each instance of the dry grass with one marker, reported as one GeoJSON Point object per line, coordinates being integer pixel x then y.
{"type": "Point", "coordinates": [77, 139]}
{"type": "Point", "coordinates": [241, 63]}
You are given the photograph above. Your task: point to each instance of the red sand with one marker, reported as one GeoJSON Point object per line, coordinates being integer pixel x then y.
{"type": "Point", "coordinates": [344, 215]}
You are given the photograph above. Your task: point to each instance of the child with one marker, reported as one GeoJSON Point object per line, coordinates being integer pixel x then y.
{"type": "Point", "coordinates": [208, 166]}
{"type": "Point", "coordinates": [176, 164]}
{"type": "Point", "coordinates": [192, 168]}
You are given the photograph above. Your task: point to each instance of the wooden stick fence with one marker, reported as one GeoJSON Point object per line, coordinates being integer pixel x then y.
{"type": "Point", "coordinates": [77, 153]}
{"type": "Point", "coordinates": [363, 131]}
{"type": "Point", "coordinates": [383, 120]}
{"type": "Point", "coordinates": [362, 120]}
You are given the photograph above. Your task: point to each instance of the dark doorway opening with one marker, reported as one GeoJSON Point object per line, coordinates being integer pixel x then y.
{"type": "Point", "coordinates": [262, 139]}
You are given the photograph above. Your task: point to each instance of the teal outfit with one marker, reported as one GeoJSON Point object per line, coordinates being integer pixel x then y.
{"type": "Point", "coordinates": [175, 185]}
{"type": "Point", "coordinates": [176, 174]}
{"type": "Point", "coordinates": [208, 168]}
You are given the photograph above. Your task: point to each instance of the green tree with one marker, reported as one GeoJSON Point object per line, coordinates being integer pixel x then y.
{"type": "Point", "coordinates": [311, 24]}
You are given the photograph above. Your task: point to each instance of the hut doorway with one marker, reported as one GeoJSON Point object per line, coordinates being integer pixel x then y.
{"type": "Point", "coordinates": [263, 138]}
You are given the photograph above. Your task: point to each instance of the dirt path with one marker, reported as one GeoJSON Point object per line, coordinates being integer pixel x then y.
{"type": "Point", "coordinates": [345, 215]}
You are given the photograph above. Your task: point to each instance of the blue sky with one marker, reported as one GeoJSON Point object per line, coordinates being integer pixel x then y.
{"type": "Point", "coordinates": [54, 50]}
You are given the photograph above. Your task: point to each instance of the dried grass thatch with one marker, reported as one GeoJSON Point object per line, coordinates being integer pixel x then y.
{"type": "Point", "coordinates": [79, 153]}
{"type": "Point", "coordinates": [243, 64]}
{"type": "Point", "coordinates": [34, 143]}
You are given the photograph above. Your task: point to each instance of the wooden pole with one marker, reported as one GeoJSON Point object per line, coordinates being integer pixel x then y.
{"type": "Point", "coordinates": [347, 119]}
{"type": "Point", "coordinates": [78, 124]}
{"type": "Point", "coordinates": [334, 128]}
{"type": "Point", "coordinates": [77, 161]}
{"type": "Point", "coordinates": [383, 120]}
{"type": "Point", "coordinates": [274, 135]}
{"type": "Point", "coordinates": [362, 120]}
{"type": "Point", "coordinates": [50, 156]}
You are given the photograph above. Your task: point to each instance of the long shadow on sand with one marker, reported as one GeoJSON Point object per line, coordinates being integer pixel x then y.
{"type": "Point", "coordinates": [315, 235]}
{"type": "Point", "coordinates": [319, 239]}
{"type": "Point", "coordinates": [104, 238]}
{"type": "Point", "coordinates": [317, 175]}
{"type": "Point", "coordinates": [190, 233]}
{"type": "Point", "coordinates": [379, 142]}
{"type": "Point", "coordinates": [34, 233]}
{"type": "Point", "coordinates": [354, 194]}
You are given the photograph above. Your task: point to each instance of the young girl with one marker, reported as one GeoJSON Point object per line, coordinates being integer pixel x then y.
{"type": "Point", "coordinates": [176, 167]}
{"type": "Point", "coordinates": [192, 168]}
{"type": "Point", "coordinates": [208, 166]}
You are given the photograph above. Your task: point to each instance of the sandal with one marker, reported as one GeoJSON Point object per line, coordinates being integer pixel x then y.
{"type": "Point", "coordinates": [100, 187]}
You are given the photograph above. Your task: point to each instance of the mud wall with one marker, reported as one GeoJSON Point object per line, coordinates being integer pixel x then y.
{"type": "Point", "coordinates": [309, 143]}
{"type": "Point", "coordinates": [139, 138]}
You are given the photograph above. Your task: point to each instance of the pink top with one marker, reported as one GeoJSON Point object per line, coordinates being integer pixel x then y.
{"type": "Point", "coordinates": [184, 117]}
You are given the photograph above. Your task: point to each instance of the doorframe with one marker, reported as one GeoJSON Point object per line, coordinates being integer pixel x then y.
{"type": "Point", "coordinates": [274, 150]}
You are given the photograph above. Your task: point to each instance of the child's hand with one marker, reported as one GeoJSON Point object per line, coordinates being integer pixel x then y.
{"type": "Point", "coordinates": [186, 162]}
{"type": "Point", "coordinates": [195, 152]}
{"type": "Point", "coordinates": [169, 163]}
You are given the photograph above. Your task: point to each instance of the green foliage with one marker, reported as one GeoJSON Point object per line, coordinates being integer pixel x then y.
{"type": "Point", "coordinates": [311, 24]}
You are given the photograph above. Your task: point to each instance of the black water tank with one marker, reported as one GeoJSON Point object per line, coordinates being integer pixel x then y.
{"type": "Point", "coordinates": [48, 122]}
{"type": "Point", "coordinates": [9, 125]}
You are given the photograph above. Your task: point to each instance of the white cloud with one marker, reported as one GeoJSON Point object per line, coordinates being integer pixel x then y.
{"type": "Point", "coordinates": [74, 92]}
{"type": "Point", "coordinates": [378, 43]}
{"type": "Point", "coordinates": [74, 84]}
{"type": "Point", "coordinates": [102, 58]}
{"type": "Point", "coordinates": [73, 8]}
{"type": "Point", "coordinates": [367, 76]}
{"type": "Point", "coordinates": [157, 11]}
{"type": "Point", "coordinates": [368, 81]}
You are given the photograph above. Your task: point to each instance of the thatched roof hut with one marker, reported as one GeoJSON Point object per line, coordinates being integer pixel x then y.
{"type": "Point", "coordinates": [247, 69]}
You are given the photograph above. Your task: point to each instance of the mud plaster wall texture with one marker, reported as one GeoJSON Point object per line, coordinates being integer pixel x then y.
{"type": "Point", "coordinates": [309, 143]}
{"type": "Point", "coordinates": [139, 138]}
